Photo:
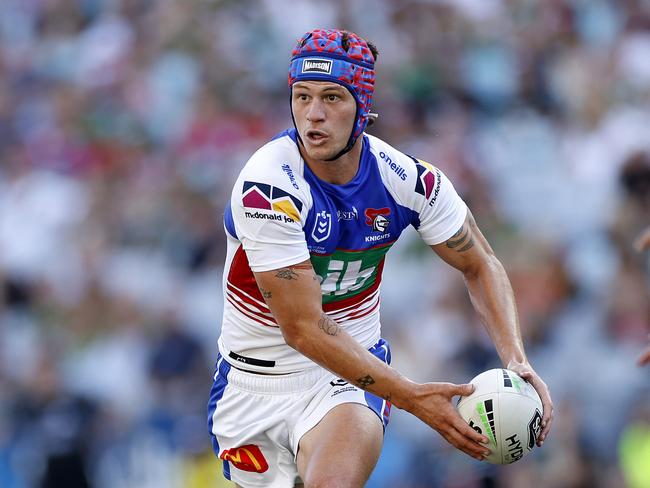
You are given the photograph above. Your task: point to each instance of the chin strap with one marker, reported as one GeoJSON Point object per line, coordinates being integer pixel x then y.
{"type": "Point", "coordinates": [346, 149]}
{"type": "Point", "coordinates": [371, 120]}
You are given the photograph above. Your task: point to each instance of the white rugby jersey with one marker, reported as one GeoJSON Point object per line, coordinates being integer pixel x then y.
{"type": "Point", "coordinates": [281, 214]}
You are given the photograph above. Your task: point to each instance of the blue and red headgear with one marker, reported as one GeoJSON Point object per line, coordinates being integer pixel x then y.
{"type": "Point", "coordinates": [320, 56]}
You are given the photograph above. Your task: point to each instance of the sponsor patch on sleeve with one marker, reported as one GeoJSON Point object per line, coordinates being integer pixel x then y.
{"type": "Point", "coordinates": [428, 181]}
{"type": "Point", "coordinates": [279, 203]}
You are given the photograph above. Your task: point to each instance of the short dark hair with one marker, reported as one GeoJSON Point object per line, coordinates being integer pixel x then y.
{"type": "Point", "coordinates": [345, 42]}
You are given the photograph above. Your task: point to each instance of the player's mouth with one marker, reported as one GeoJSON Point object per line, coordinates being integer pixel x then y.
{"type": "Point", "coordinates": [316, 137]}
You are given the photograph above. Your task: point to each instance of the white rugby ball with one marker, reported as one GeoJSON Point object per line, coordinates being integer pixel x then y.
{"type": "Point", "coordinates": [507, 410]}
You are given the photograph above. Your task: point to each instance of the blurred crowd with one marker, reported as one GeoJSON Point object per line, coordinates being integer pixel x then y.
{"type": "Point", "coordinates": [123, 124]}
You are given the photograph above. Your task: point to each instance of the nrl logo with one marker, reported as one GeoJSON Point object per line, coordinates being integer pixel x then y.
{"type": "Point", "coordinates": [314, 65]}
{"type": "Point", "coordinates": [322, 226]}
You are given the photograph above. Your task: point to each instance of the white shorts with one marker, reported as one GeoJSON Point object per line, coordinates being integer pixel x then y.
{"type": "Point", "coordinates": [256, 421]}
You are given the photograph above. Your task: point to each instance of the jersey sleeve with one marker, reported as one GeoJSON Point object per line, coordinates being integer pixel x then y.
{"type": "Point", "coordinates": [442, 211]}
{"type": "Point", "coordinates": [267, 219]}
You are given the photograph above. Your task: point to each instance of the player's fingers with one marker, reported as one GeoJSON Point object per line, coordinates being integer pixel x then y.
{"type": "Point", "coordinates": [450, 389]}
{"type": "Point", "coordinates": [644, 358]}
{"type": "Point", "coordinates": [456, 439]}
{"type": "Point", "coordinates": [547, 420]}
{"type": "Point", "coordinates": [523, 371]}
{"type": "Point", "coordinates": [533, 378]}
{"type": "Point", "coordinates": [463, 427]}
{"type": "Point", "coordinates": [643, 241]}
{"type": "Point", "coordinates": [547, 404]}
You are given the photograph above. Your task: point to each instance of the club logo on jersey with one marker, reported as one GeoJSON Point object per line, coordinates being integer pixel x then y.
{"type": "Point", "coordinates": [246, 458]}
{"type": "Point", "coordinates": [428, 180]}
{"type": "Point", "coordinates": [377, 218]}
{"type": "Point", "coordinates": [348, 214]}
{"type": "Point", "coordinates": [317, 65]}
{"type": "Point", "coordinates": [267, 197]}
{"type": "Point", "coordinates": [322, 226]}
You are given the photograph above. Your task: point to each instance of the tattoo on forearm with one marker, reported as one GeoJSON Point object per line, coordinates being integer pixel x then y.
{"type": "Point", "coordinates": [366, 381]}
{"type": "Point", "coordinates": [286, 274]}
{"type": "Point", "coordinates": [328, 326]}
{"type": "Point", "coordinates": [266, 293]}
{"type": "Point", "coordinates": [463, 239]}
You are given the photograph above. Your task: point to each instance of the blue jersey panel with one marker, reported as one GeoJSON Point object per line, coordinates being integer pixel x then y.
{"type": "Point", "coordinates": [356, 216]}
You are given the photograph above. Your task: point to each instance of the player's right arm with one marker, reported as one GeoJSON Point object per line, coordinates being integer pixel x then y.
{"type": "Point", "coordinates": [293, 294]}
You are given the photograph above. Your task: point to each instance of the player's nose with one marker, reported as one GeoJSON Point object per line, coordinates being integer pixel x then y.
{"type": "Point", "coordinates": [315, 111]}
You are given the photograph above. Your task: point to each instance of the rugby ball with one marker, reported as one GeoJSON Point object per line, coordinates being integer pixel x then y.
{"type": "Point", "coordinates": [507, 410]}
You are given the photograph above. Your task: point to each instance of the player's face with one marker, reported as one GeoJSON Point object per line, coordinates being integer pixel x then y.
{"type": "Point", "coordinates": [324, 113]}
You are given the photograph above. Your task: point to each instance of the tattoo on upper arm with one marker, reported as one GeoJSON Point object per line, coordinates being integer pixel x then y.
{"type": "Point", "coordinates": [366, 381]}
{"type": "Point", "coordinates": [290, 274]}
{"type": "Point", "coordinates": [462, 240]}
{"type": "Point", "coordinates": [328, 326]}
{"type": "Point", "coordinates": [286, 274]}
{"type": "Point", "coordinates": [266, 293]}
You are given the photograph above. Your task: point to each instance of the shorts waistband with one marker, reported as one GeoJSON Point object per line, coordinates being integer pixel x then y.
{"type": "Point", "coordinates": [270, 384]}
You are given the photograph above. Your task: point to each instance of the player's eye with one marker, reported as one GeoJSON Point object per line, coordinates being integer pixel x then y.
{"type": "Point", "coordinates": [333, 98]}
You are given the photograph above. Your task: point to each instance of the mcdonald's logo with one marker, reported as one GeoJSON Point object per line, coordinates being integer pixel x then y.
{"type": "Point", "coordinates": [246, 458]}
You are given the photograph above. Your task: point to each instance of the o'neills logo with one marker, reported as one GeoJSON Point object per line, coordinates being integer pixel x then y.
{"type": "Point", "coordinates": [317, 66]}
{"type": "Point", "coordinates": [247, 458]}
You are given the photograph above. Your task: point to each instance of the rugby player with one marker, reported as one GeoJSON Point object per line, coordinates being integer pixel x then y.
{"type": "Point", "coordinates": [303, 387]}
{"type": "Point", "coordinates": [642, 243]}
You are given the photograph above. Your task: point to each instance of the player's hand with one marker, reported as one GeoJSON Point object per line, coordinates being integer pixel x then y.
{"type": "Point", "coordinates": [432, 404]}
{"type": "Point", "coordinates": [644, 358]}
{"type": "Point", "coordinates": [642, 242]}
{"type": "Point", "coordinates": [527, 373]}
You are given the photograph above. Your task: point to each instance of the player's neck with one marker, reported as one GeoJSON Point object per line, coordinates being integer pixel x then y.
{"type": "Point", "coordinates": [340, 171]}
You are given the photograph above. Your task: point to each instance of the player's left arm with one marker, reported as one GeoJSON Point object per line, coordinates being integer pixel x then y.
{"type": "Point", "coordinates": [493, 299]}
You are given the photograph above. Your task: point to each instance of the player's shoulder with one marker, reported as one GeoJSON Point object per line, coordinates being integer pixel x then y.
{"type": "Point", "coordinates": [273, 174]}
{"type": "Point", "coordinates": [409, 177]}
{"type": "Point", "coordinates": [277, 163]}
{"type": "Point", "coordinates": [270, 159]}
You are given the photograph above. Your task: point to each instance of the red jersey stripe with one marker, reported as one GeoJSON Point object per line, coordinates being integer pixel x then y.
{"type": "Point", "coordinates": [247, 314]}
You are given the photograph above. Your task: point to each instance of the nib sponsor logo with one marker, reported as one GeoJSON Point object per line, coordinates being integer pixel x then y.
{"type": "Point", "coordinates": [247, 458]}
{"type": "Point", "coordinates": [266, 197]}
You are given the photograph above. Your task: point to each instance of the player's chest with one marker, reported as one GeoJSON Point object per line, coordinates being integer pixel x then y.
{"type": "Point", "coordinates": [353, 222]}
